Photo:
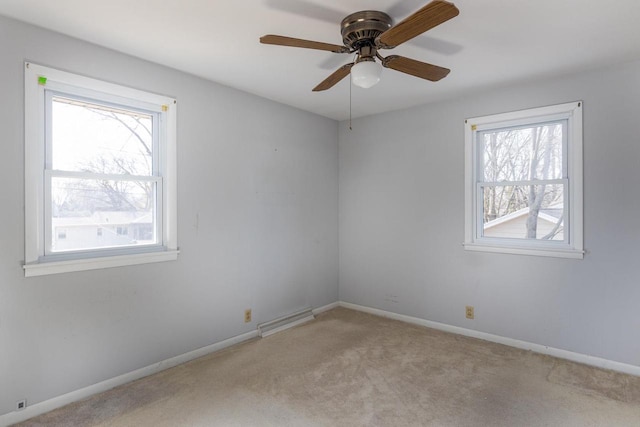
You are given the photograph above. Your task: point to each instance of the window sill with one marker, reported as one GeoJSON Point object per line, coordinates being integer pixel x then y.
{"type": "Point", "coordinates": [55, 267]}
{"type": "Point", "coordinates": [552, 252]}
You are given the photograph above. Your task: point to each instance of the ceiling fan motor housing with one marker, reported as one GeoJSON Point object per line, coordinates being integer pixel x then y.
{"type": "Point", "coordinates": [360, 29]}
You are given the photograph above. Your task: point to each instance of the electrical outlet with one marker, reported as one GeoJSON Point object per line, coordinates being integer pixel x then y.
{"type": "Point", "coordinates": [247, 315]}
{"type": "Point", "coordinates": [469, 312]}
{"type": "Point", "coordinates": [21, 404]}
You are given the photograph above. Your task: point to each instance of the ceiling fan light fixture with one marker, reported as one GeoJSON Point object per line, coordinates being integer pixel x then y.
{"type": "Point", "coordinates": [366, 74]}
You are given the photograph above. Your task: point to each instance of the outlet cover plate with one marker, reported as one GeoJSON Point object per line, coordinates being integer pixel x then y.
{"type": "Point", "coordinates": [469, 314]}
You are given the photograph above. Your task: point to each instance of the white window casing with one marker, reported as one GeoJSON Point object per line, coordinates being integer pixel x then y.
{"type": "Point", "coordinates": [40, 82]}
{"type": "Point", "coordinates": [571, 245]}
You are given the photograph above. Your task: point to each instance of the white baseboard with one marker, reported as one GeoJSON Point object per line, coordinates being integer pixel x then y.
{"type": "Point", "coordinates": [83, 393]}
{"type": "Point", "coordinates": [324, 308]}
{"type": "Point", "coordinates": [537, 348]}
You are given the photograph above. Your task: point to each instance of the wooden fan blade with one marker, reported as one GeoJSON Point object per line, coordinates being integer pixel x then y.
{"type": "Point", "coordinates": [307, 44]}
{"type": "Point", "coordinates": [334, 78]}
{"type": "Point", "coordinates": [415, 68]}
{"type": "Point", "coordinates": [431, 15]}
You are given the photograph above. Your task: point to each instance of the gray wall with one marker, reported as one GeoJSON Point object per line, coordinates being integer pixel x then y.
{"type": "Point", "coordinates": [402, 222]}
{"type": "Point", "coordinates": [257, 222]}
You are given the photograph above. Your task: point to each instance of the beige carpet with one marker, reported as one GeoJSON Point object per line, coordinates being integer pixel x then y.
{"type": "Point", "coordinates": [353, 369]}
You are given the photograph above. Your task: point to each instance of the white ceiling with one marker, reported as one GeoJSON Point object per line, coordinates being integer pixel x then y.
{"type": "Point", "coordinates": [491, 43]}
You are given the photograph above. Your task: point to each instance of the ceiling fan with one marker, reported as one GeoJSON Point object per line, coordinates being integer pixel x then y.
{"type": "Point", "coordinates": [366, 32]}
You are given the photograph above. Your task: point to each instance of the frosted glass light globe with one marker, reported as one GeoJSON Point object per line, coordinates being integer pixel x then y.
{"type": "Point", "coordinates": [365, 74]}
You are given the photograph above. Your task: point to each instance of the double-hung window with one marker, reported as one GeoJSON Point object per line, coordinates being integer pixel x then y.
{"type": "Point", "coordinates": [99, 174]}
{"type": "Point", "coordinates": [524, 182]}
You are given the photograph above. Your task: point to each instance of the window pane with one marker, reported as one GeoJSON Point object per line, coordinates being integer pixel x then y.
{"type": "Point", "coordinates": [89, 137]}
{"type": "Point", "coordinates": [524, 212]}
{"type": "Point", "coordinates": [95, 214]}
{"type": "Point", "coordinates": [523, 154]}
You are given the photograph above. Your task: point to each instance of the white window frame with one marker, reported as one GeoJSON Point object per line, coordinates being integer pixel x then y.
{"type": "Point", "coordinates": [572, 246]}
{"type": "Point", "coordinates": [38, 81]}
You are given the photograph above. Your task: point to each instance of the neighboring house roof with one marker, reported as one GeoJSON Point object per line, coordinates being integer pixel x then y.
{"type": "Point", "coordinates": [553, 211]}
{"type": "Point", "coordinates": [551, 214]}
{"type": "Point", "coordinates": [104, 218]}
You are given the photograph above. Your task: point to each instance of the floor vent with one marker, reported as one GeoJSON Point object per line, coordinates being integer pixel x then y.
{"type": "Point", "coordinates": [286, 322]}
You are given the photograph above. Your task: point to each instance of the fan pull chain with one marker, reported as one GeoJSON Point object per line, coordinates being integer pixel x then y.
{"type": "Point", "coordinates": [350, 88]}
